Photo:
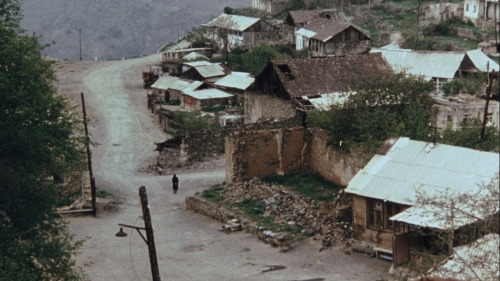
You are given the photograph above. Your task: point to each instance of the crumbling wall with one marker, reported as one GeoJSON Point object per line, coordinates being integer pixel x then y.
{"type": "Point", "coordinates": [259, 107]}
{"type": "Point", "coordinates": [264, 152]}
{"type": "Point", "coordinates": [284, 151]}
{"type": "Point", "coordinates": [334, 165]}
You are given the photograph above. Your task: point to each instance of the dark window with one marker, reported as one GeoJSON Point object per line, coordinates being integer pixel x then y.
{"type": "Point", "coordinates": [375, 214]}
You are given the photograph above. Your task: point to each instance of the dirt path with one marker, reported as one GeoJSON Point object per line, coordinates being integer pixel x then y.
{"type": "Point", "coordinates": [189, 246]}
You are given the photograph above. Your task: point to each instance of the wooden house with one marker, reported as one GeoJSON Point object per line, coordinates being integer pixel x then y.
{"type": "Point", "coordinates": [296, 20]}
{"type": "Point", "coordinates": [326, 36]}
{"type": "Point", "coordinates": [386, 212]}
{"type": "Point", "coordinates": [207, 97]}
{"type": "Point", "coordinates": [241, 31]}
{"type": "Point", "coordinates": [203, 71]}
{"type": "Point", "coordinates": [168, 88]}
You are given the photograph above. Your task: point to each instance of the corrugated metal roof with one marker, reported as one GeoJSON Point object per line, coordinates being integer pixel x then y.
{"type": "Point", "coordinates": [170, 82]}
{"type": "Point", "coordinates": [415, 165]}
{"type": "Point", "coordinates": [306, 33]}
{"type": "Point", "coordinates": [324, 102]}
{"type": "Point", "coordinates": [481, 60]}
{"type": "Point", "coordinates": [476, 261]}
{"type": "Point", "coordinates": [425, 64]}
{"type": "Point", "coordinates": [210, 70]}
{"type": "Point", "coordinates": [233, 22]}
{"type": "Point", "coordinates": [237, 80]}
{"type": "Point", "coordinates": [209, 93]}
{"type": "Point", "coordinates": [198, 63]}
{"type": "Point", "coordinates": [193, 56]}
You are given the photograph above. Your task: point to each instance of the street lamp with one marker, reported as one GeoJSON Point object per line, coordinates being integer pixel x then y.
{"type": "Point", "coordinates": [148, 227]}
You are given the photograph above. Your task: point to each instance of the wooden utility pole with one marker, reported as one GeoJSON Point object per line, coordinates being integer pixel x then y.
{"type": "Point", "coordinates": [89, 159]}
{"type": "Point", "coordinates": [491, 77]}
{"type": "Point", "coordinates": [150, 240]}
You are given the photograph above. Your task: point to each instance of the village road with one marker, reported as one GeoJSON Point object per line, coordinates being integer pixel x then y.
{"type": "Point", "coordinates": [189, 246]}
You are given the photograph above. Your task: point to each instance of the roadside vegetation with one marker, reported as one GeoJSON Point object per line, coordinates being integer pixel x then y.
{"type": "Point", "coordinates": [37, 149]}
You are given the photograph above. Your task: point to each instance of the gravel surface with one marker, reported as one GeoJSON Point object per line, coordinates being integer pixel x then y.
{"type": "Point", "coordinates": [189, 245]}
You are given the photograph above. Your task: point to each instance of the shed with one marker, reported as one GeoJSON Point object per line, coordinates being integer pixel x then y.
{"type": "Point", "coordinates": [168, 87]}
{"type": "Point", "coordinates": [197, 99]}
{"type": "Point", "coordinates": [385, 191]}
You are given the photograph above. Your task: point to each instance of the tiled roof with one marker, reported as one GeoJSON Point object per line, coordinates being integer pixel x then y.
{"type": "Point", "coordinates": [313, 77]}
{"type": "Point", "coordinates": [305, 16]}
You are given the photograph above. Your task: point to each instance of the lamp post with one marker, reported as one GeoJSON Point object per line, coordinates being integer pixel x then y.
{"type": "Point", "coordinates": [148, 227]}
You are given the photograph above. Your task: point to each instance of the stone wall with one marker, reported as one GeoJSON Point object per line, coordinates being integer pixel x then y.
{"type": "Point", "coordinates": [259, 107]}
{"type": "Point", "coordinates": [284, 151]}
{"type": "Point", "coordinates": [334, 165]}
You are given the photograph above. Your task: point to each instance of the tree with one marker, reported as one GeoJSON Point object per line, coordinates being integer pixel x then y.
{"type": "Point", "coordinates": [469, 135]}
{"type": "Point", "coordinates": [255, 61]}
{"type": "Point", "coordinates": [36, 143]}
{"type": "Point", "coordinates": [380, 107]}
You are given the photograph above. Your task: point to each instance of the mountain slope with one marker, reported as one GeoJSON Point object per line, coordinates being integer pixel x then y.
{"type": "Point", "coordinates": [112, 29]}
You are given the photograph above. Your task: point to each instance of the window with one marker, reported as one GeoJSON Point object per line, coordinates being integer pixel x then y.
{"type": "Point", "coordinates": [466, 118]}
{"type": "Point", "coordinates": [375, 213]}
{"type": "Point", "coordinates": [379, 212]}
{"type": "Point", "coordinates": [466, 7]}
{"type": "Point", "coordinates": [473, 8]}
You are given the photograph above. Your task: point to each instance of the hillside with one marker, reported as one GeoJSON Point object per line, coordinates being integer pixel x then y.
{"type": "Point", "coordinates": [113, 29]}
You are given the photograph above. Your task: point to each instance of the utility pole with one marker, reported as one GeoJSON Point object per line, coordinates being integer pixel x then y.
{"type": "Point", "coordinates": [149, 234]}
{"type": "Point", "coordinates": [80, 33]}
{"type": "Point", "coordinates": [491, 77]}
{"type": "Point", "coordinates": [89, 159]}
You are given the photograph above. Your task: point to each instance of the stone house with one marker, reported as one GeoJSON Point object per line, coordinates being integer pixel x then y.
{"type": "Point", "coordinates": [442, 11]}
{"type": "Point", "coordinates": [241, 31]}
{"type": "Point", "coordinates": [309, 84]}
{"type": "Point", "coordinates": [386, 212]}
{"type": "Point", "coordinates": [326, 36]}
{"type": "Point", "coordinates": [481, 12]}
{"type": "Point", "coordinates": [273, 7]}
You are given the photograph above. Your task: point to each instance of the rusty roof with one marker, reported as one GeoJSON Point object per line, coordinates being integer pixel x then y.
{"type": "Point", "coordinates": [313, 77]}
{"type": "Point", "coordinates": [302, 17]}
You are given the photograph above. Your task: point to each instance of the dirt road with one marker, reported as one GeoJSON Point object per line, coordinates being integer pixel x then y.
{"type": "Point", "coordinates": [189, 246]}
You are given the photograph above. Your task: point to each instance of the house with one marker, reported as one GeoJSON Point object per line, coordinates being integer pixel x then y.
{"type": "Point", "coordinates": [481, 11]}
{"type": "Point", "coordinates": [199, 98]}
{"type": "Point", "coordinates": [203, 71]}
{"type": "Point", "coordinates": [236, 83]}
{"type": "Point", "coordinates": [168, 88]}
{"type": "Point", "coordinates": [389, 194]}
{"type": "Point", "coordinates": [442, 11]}
{"type": "Point", "coordinates": [306, 83]}
{"type": "Point", "coordinates": [172, 60]}
{"type": "Point", "coordinates": [296, 20]}
{"type": "Point", "coordinates": [476, 261]}
{"type": "Point", "coordinates": [241, 31]}
{"type": "Point", "coordinates": [273, 7]}
{"type": "Point", "coordinates": [454, 110]}
{"type": "Point", "coordinates": [439, 67]}
{"type": "Point", "coordinates": [333, 35]}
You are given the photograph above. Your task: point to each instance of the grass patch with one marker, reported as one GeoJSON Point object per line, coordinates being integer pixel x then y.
{"type": "Point", "coordinates": [213, 194]}
{"type": "Point", "coordinates": [101, 193]}
{"type": "Point", "coordinates": [307, 184]}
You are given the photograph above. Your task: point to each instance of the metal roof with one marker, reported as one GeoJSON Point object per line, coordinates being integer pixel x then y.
{"type": "Point", "coordinates": [237, 80]}
{"type": "Point", "coordinates": [170, 82]}
{"type": "Point", "coordinates": [410, 165]}
{"type": "Point", "coordinates": [305, 32]}
{"type": "Point", "coordinates": [233, 22]}
{"type": "Point", "coordinates": [193, 56]}
{"type": "Point", "coordinates": [476, 261]}
{"type": "Point", "coordinates": [198, 63]}
{"type": "Point", "coordinates": [210, 70]}
{"type": "Point", "coordinates": [425, 64]}
{"type": "Point", "coordinates": [209, 93]}
{"type": "Point", "coordinates": [481, 60]}
{"type": "Point", "coordinates": [324, 102]}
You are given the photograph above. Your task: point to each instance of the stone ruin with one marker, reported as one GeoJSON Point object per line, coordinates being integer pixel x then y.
{"type": "Point", "coordinates": [327, 222]}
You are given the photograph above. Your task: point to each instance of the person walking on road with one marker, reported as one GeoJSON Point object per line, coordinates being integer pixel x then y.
{"type": "Point", "coordinates": [175, 183]}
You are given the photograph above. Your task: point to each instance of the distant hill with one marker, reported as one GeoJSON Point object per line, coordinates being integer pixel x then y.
{"type": "Point", "coordinates": [112, 29]}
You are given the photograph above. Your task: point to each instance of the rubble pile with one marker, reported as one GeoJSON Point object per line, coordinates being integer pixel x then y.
{"type": "Point", "coordinates": [327, 222]}
{"type": "Point", "coordinates": [323, 220]}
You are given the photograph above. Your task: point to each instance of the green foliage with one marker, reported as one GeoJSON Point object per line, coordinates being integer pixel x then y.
{"type": "Point", "coordinates": [296, 5]}
{"type": "Point", "coordinates": [307, 184]}
{"type": "Point", "coordinates": [101, 193]}
{"type": "Point", "coordinates": [192, 121]}
{"type": "Point", "coordinates": [471, 85]}
{"type": "Point", "coordinates": [393, 105]}
{"type": "Point", "coordinates": [213, 193]}
{"type": "Point", "coordinates": [197, 37]}
{"type": "Point", "coordinates": [228, 10]}
{"type": "Point", "coordinates": [469, 135]}
{"type": "Point", "coordinates": [36, 143]}
{"type": "Point", "coordinates": [255, 61]}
